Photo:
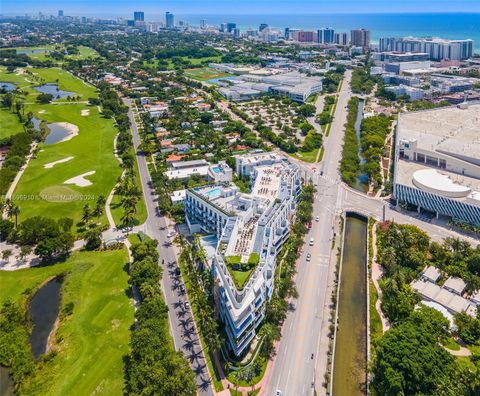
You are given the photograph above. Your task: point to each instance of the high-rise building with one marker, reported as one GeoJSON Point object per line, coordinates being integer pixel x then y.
{"type": "Point", "coordinates": [262, 27]}
{"type": "Point", "coordinates": [303, 36]}
{"type": "Point", "coordinates": [60, 13]}
{"type": "Point", "coordinates": [223, 27]}
{"type": "Point", "coordinates": [236, 33]}
{"type": "Point", "coordinates": [169, 20]}
{"type": "Point", "coordinates": [287, 33]}
{"type": "Point", "coordinates": [437, 48]}
{"type": "Point", "coordinates": [203, 24]}
{"type": "Point", "coordinates": [230, 26]}
{"type": "Point", "coordinates": [360, 38]}
{"type": "Point", "coordinates": [341, 39]}
{"type": "Point", "coordinates": [138, 16]}
{"type": "Point", "coordinates": [325, 36]}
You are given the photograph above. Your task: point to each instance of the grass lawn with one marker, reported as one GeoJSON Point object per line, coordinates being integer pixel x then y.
{"type": "Point", "coordinates": [204, 73]}
{"type": "Point", "coordinates": [91, 343]}
{"type": "Point", "coordinates": [240, 277]}
{"type": "Point", "coordinates": [376, 330]}
{"type": "Point", "coordinates": [307, 156]}
{"type": "Point", "coordinates": [451, 344]}
{"type": "Point", "coordinates": [84, 52]}
{"type": "Point", "coordinates": [9, 124]}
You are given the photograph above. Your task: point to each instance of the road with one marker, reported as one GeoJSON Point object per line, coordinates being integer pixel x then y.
{"type": "Point", "coordinates": [182, 327]}
{"type": "Point", "coordinates": [294, 368]}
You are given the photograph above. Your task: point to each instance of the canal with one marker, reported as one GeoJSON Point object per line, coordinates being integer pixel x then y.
{"type": "Point", "coordinates": [350, 359]}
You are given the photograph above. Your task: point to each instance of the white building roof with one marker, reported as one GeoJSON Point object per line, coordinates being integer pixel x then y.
{"type": "Point", "coordinates": [439, 183]}
{"type": "Point", "coordinates": [455, 284]}
{"type": "Point", "coordinates": [431, 273]}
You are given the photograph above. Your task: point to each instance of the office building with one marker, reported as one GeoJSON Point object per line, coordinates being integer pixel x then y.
{"type": "Point", "coordinates": [360, 38]}
{"type": "Point", "coordinates": [340, 39]}
{"type": "Point", "coordinates": [262, 27]}
{"type": "Point", "coordinates": [412, 93]}
{"type": "Point", "coordinates": [248, 230]}
{"type": "Point", "coordinates": [169, 20]}
{"type": "Point", "coordinates": [60, 13]}
{"type": "Point", "coordinates": [436, 48]}
{"type": "Point", "coordinates": [203, 24]}
{"type": "Point", "coordinates": [437, 162]}
{"type": "Point", "coordinates": [230, 26]}
{"type": "Point", "coordinates": [139, 16]}
{"type": "Point", "coordinates": [325, 36]}
{"type": "Point", "coordinates": [400, 67]}
{"type": "Point", "coordinates": [236, 33]}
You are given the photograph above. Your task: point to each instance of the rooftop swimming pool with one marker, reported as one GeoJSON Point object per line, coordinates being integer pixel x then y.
{"type": "Point", "coordinates": [214, 193]}
{"type": "Point", "coordinates": [217, 169]}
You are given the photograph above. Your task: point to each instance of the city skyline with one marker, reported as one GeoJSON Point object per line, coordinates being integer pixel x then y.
{"type": "Point", "coordinates": [249, 7]}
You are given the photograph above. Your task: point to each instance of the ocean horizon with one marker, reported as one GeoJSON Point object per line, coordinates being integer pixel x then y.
{"type": "Point", "coordinates": [445, 25]}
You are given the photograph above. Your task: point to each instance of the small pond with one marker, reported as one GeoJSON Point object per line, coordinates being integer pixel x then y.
{"type": "Point", "coordinates": [6, 86]}
{"type": "Point", "coordinates": [43, 309]}
{"type": "Point", "coordinates": [32, 51]}
{"type": "Point", "coordinates": [57, 134]}
{"type": "Point", "coordinates": [52, 89]}
{"type": "Point", "coordinates": [36, 123]}
{"type": "Point", "coordinates": [6, 382]}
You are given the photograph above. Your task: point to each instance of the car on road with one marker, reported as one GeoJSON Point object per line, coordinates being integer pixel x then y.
{"type": "Point", "coordinates": [278, 393]}
{"type": "Point", "coordinates": [177, 271]}
{"type": "Point", "coordinates": [127, 229]}
{"type": "Point", "coordinates": [317, 218]}
{"type": "Point", "coordinates": [311, 242]}
{"type": "Point", "coordinates": [171, 234]}
{"type": "Point", "coordinates": [309, 256]}
{"type": "Point", "coordinates": [186, 305]}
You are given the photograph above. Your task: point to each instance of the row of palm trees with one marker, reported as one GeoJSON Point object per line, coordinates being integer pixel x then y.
{"type": "Point", "coordinates": [130, 195]}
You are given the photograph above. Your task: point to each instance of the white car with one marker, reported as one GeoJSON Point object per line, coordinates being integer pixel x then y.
{"type": "Point", "coordinates": [171, 234]}
{"type": "Point", "coordinates": [317, 218]}
{"type": "Point", "coordinates": [309, 257]}
{"type": "Point", "coordinates": [187, 305]}
{"type": "Point", "coordinates": [278, 393]}
{"type": "Point", "coordinates": [311, 242]}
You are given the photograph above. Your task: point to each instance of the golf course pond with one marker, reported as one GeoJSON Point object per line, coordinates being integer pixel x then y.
{"type": "Point", "coordinates": [6, 86]}
{"type": "Point", "coordinates": [350, 359]}
{"type": "Point", "coordinates": [43, 309]}
{"type": "Point", "coordinates": [57, 133]}
{"type": "Point", "coordinates": [32, 51]}
{"type": "Point", "coordinates": [52, 89]}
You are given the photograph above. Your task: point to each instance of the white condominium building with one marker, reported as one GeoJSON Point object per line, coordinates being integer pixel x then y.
{"type": "Point", "coordinates": [250, 230]}
{"type": "Point", "coordinates": [437, 161]}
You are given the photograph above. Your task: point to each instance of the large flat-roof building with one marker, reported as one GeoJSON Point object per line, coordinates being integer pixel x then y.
{"type": "Point", "coordinates": [437, 48]}
{"type": "Point", "coordinates": [250, 230]}
{"type": "Point", "coordinates": [437, 161]}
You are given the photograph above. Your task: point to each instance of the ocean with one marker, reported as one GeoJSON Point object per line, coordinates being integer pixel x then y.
{"type": "Point", "coordinates": [445, 25]}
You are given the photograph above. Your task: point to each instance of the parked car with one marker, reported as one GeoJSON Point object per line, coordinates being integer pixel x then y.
{"type": "Point", "coordinates": [317, 218]}
{"type": "Point", "coordinates": [177, 271]}
{"type": "Point", "coordinates": [187, 305]}
{"type": "Point", "coordinates": [171, 234]}
{"type": "Point", "coordinates": [311, 242]}
{"type": "Point", "coordinates": [309, 256]}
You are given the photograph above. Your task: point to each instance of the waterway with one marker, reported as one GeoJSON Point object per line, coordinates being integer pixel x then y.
{"type": "Point", "coordinates": [362, 179]}
{"type": "Point", "coordinates": [43, 309]}
{"type": "Point", "coordinates": [32, 52]}
{"type": "Point", "coordinates": [349, 371]}
{"type": "Point", "coordinates": [52, 89]}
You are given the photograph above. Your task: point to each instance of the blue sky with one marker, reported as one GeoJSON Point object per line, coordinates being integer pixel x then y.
{"type": "Point", "coordinates": [125, 8]}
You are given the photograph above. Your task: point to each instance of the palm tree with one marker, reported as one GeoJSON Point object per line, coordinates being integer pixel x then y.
{"type": "Point", "coordinates": [13, 210]}
{"type": "Point", "coordinates": [86, 213]}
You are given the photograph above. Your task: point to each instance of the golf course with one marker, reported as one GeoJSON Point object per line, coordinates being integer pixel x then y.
{"type": "Point", "coordinates": [87, 351]}
{"type": "Point", "coordinates": [74, 168]}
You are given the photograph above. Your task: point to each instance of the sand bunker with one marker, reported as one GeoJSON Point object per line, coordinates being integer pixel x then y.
{"type": "Point", "coordinates": [85, 112]}
{"type": "Point", "coordinates": [20, 71]}
{"type": "Point", "coordinates": [41, 111]}
{"type": "Point", "coordinates": [52, 164]}
{"type": "Point", "coordinates": [80, 180]}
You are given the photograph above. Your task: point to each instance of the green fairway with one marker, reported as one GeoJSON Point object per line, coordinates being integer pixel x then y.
{"type": "Point", "coordinates": [9, 124]}
{"type": "Point", "coordinates": [84, 52]}
{"type": "Point", "coordinates": [91, 149]}
{"type": "Point", "coordinates": [204, 73]}
{"type": "Point", "coordinates": [91, 343]}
